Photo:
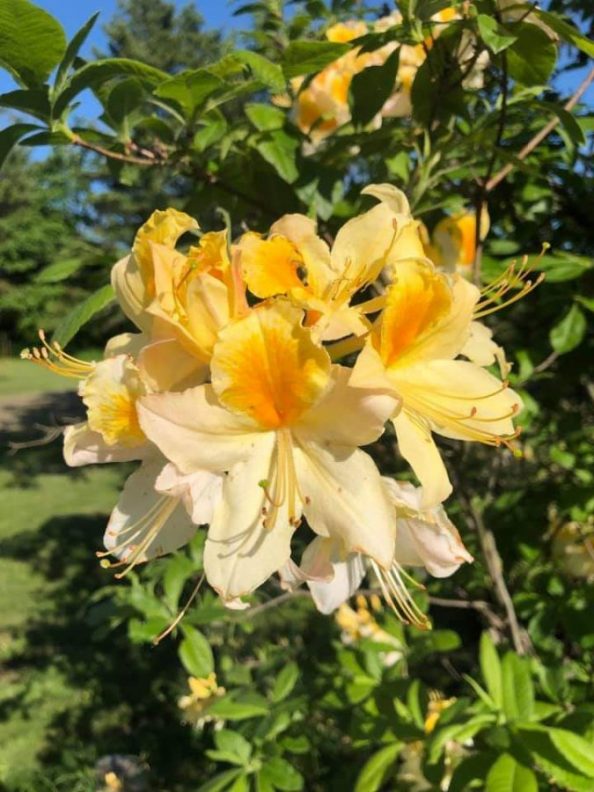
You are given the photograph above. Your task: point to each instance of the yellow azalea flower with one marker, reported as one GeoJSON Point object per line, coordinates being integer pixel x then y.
{"type": "Point", "coordinates": [425, 537]}
{"type": "Point", "coordinates": [159, 509]}
{"type": "Point", "coordinates": [280, 420]}
{"type": "Point", "coordinates": [359, 624]}
{"type": "Point", "coordinates": [453, 242]}
{"type": "Point", "coordinates": [294, 261]}
{"type": "Point", "coordinates": [172, 297]}
{"type": "Point", "coordinates": [425, 325]}
{"type": "Point", "coordinates": [203, 693]}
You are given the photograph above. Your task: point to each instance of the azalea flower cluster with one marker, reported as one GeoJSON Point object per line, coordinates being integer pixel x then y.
{"type": "Point", "coordinates": [260, 369]}
{"type": "Point", "coordinates": [322, 103]}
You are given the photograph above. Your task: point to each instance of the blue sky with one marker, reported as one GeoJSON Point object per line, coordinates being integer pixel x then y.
{"type": "Point", "coordinates": [217, 14]}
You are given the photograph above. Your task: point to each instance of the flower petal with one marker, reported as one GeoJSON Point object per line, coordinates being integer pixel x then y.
{"type": "Point", "coordinates": [266, 366]}
{"type": "Point", "coordinates": [83, 446]}
{"type": "Point", "coordinates": [418, 448]}
{"type": "Point", "coordinates": [166, 365]}
{"type": "Point", "coordinates": [145, 523]}
{"type": "Point", "coordinates": [344, 499]}
{"type": "Point", "coordinates": [343, 574]}
{"type": "Point", "coordinates": [347, 415]}
{"type": "Point", "coordinates": [194, 431]}
{"type": "Point", "coordinates": [200, 491]}
{"type": "Point", "coordinates": [240, 551]}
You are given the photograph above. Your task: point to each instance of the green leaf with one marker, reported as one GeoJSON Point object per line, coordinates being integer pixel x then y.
{"type": "Point", "coordinates": [568, 122]}
{"type": "Point", "coordinates": [221, 782]}
{"type": "Point", "coordinates": [265, 117]}
{"type": "Point", "coordinates": [72, 50]}
{"type": "Point", "coordinates": [563, 266]}
{"type": "Point", "coordinates": [190, 89]}
{"type": "Point", "coordinates": [279, 149]}
{"type": "Point", "coordinates": [495, 36]}
{"type": "Point", "coordinates": [10, 136]}
{"type": "Point", "coordinates": [550, 760]}
{"type": "Point", "coordinates": [195, 653]}
{"type": "Point", "coordinates": [282, 775]}
{"type": "Point", "coordinates": [179, 569]}
{"type": "Point", "coordinates": [307, 57]}
{"type": "Point", "coordinates": [213, 131]}
{"type": "Point", "coordinates": [262, 69]}
{"type": "Point", "coordinates": [233, 743]}
{"type": "Point", "coordinates": [80, 315]}
{"type": "Point", "coordinates": [575, 749]}
{"type": "Point", "coordinates": [569, 332]}
{"type": "Point", "coordinates": [32, 42]}
{"type": "Point", "coordinates": [93, 75]}
{"type": "Point", "coordinates": [376, 768]}
{"type": "Point", "coordinates": [371, 88]}
{"type": "Point", "coordinates": [59, 270]}
{"type": "Point", "coordinates": [507, 775]}
{"type": "Point", "coordinates": [587, 302]}
{"type": "Point", "coordinates": [566, 31]}
{"type": "Point", "coordinates": [285, 682]}
{"type": "Point", "coordinates": [470, 769]}
{"type": "Point", "coordinates": [124, 98]}
{"type": "Point", "coordinates": [239, 707]}
{"type": "Point", "coordinates": [459, 732]}
{"type": "Point", "coordinates": [518, 690]}
{"type": "Point", "coordinates": [531, 59]}
{"type": "Point", "coordinates": [491, 669]}
{"type": "Point", "coordinates": [35, 102]}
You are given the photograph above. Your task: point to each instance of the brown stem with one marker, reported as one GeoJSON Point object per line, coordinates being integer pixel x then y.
{"type": "Point", "coordinates": [520, 638]}
{"type": "Point", "coordinates": [540, 136]}
{"type": "Point", "coordinates": [478, 605]}
{"type": "Point", "coordinates": [115, 155]}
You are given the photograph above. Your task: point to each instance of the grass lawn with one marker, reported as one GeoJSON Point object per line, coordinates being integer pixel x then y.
{"type": "Point", "coordinates": [39, 512]}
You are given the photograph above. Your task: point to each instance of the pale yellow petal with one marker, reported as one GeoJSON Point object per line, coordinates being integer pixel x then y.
{"type": "Point", "coordinates": [83, 446]}
{"type": "Point", "coordinates": [166, 366]}
{"type": "Point", "coordinates": [418, 448]}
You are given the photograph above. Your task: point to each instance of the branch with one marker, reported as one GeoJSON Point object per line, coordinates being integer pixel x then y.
{"type": "Point", "coordinates": [115, 155]}
{"type": "Point", "coordinates": [540, 136]}
{"type": "Point", "coordinates": [478, 605]}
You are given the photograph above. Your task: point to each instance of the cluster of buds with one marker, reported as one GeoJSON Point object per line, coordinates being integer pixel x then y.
{"type": "Point", "coordinates": [261, 367]}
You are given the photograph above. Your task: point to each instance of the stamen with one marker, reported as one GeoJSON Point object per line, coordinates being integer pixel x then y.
{"type": "Point", "coordinates": [504, 283]}
{"type": "Point", "coordinates": [284, 487]}
{"type": "Point", "coordinates": [181, 614]}
{"type": "Point", "coordinates": [53, 358]}
{"type": "Point", "coordinates": [398, 596]}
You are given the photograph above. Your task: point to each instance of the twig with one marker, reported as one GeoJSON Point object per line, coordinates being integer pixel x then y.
{"type": "Point", "coordinates": [478, 605]}
{"type": "Point", "coordinates": [540, 136]}
{"type": "Point", "coordinates": [483, 191]}
{"type": "Point", "coordinates": [546, 363]}
{"type": "Point", "coordinates": [520, 638]}
{"type": "Point", "coordinates": [115, 155]}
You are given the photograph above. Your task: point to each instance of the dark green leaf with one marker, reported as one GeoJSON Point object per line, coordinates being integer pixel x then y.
{"type": "Point", "coordinates": [307, 57]}
{"type": "Point", "coordinates": [507, 775]}
{"type": "Point", "coordinates": [32, 42]}
{"type": "Point", "coordinates": [495, 36]}
{"type": "Point", "coordinates": [35, 102]}
{"type": "Point", "coordinates": [70, 326]}
{"type": "Point", "coordinates": [376, 768]}
{"type": "Point", "coordinates": [10, 136]}
{"type": "Point", "coordinates": [195, 653]}
{"type": "Point", "coordinates": [265, 117]}
{"type": "Point", "coordinates": [93, 75]}
{"type": "Point", "coordinates": [285, 682]}
{"type": "Point", "coordinates": [47, 138]}
{"type": "Point", "coordinates": [72, 50]}
{"type": "Point", "coordinates": [563, 266]}
{"type": "Point", "coordinates": [371, 88]}
{"type": "Point", "coordinates": [575, 749]}
{"type": "Point", "coordinates": [569, 333]}
{"type": "Point", "coordinates": [531, 59]}
{"type": "Point", "coordinates": [280, 150]}
{"type": "Point", "coordinates": [550, 760]}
